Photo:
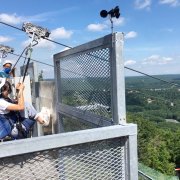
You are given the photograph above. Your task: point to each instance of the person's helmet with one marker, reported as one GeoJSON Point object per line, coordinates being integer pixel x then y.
{"type": "Point", "coordinates": [2, 82]}
{"type": "Point", "coordinates": [7, 62]}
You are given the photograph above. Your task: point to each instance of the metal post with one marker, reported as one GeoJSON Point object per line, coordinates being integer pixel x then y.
{"type": "Point", "coordinates": [59, 128]}
{"type": "Point", "coordinates": [35, 93]}
{"type": "Point", "coordinates": [118, 82]}
{"type": "Point", "coordinates": [132, 158]}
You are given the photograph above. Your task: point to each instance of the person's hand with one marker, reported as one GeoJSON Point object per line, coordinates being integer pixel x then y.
{"type": "Point", "coordinates": [15, 101]}
{"type": "Point", "coordinates": [20, 86]}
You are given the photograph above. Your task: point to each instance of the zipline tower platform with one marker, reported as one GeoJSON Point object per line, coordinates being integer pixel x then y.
{"type": "Point", "coordinates": [93, 141]}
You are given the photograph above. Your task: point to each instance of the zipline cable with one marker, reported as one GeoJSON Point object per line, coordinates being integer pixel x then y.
{"type": "Point", "coordinates": [153, 77]}
{"type": "Point", "coordinates": [71, 47]}
{"type": "Point", "coordinates": [11, 26]}
{"type": "Point", "coordinates": [19, 57]}
{"type": "Point", "coordinates": [42, 37]}
{"type": "Point", "coordinates": [148, 95]}
{"type": "Point", "coordinates": [58, 43]}
{"type": "Point", "coordinates": [170, 83]}
{"type": "Point", "coordinates": [34, 60]}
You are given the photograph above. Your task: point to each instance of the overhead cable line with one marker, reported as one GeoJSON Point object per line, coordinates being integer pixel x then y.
{"type": "Point", "coordinates": [71, 47]}
{"type": "Point", "coordinates": [152, 77]}
{"type": "Point", "coordinates": [11, 26]}
{"type": "Point", "coordinates": [58, 43]}
{"type": "Point", "coordinates": [19, 57]}
{"type": "Point", "coordinates": [33, 60]}
{"type": "Point", "coordinates": [42, 37]}
{"type": "Point", "coordinates": [148, 95]}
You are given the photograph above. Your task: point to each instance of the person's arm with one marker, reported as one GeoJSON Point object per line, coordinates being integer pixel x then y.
{"type": "Point", "coordinates": [12, 73]}
{"type": "Point", "coordinates": [20, 104]}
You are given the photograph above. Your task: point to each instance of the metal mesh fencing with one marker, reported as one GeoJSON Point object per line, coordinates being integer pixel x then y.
{"type": "Point", "coordinates": [85, 81]}
{"type": "Point", "coordinates": [97, 160]}
{"type": "Point", "coordinates": [90, 78]}
{"type": "Point", "coordinates": [73, 124]}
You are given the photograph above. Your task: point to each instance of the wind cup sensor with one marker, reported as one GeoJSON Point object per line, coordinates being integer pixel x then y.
{"type": "Point", "coordinates": [112, 13]}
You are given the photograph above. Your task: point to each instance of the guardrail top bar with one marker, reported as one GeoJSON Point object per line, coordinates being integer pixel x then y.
{"type": "Point", "coordinates": [23, 146]}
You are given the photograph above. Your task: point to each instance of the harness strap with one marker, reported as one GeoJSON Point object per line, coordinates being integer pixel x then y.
{"type": "Point", "coordinates": [21, 131]}
{"type": "Point", "coordinates": [18, 123]}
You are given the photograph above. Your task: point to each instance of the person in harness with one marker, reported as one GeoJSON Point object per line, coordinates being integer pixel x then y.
{"type": "Point", "coordinates": [11, 122]}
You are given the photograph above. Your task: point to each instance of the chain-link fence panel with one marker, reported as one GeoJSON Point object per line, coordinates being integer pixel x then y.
{"type": "Point", "coordinates": [74, 124]}
{"type": "Point", "coordinates": [85, 81]}
{"type": "Point", "coordinates": [90, 78]}
{"type": "Point", "coordinates": [97, 160]}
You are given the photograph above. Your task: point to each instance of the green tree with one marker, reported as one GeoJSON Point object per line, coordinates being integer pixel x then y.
{"type": "Point", "coordinates": [157, 156]}
{"type": "Point", "coordinates": [40, 77]}
{"type": "Point", "coordinates": [153, 145]}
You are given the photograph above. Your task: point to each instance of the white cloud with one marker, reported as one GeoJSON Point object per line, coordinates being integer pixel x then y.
{"type": "Point", "coordinates": [157, 59]}
{"type": "Point", "coordinates": [66, 48]}
{"type": "Point", "coordinates": [5, 39]}
{"type": "Point", "coordinates": [142, 4]}
{"type": "Point", "coordinates": [100, 27]}
{"type": "Point", "coordinates": [144, 49]}
{"type": "Point", "coordinates": [131, 34]}
{"type": "Point", "coordinates": [15, 19]}
{"type": "Point", "coordinates": [129, 62]}
{"type": "Point", "coordinates": [41, 44]}
{"type": "Point", "coordinates": [60, 33]}
{"type": "Point", "coordinates": [45, 44]}
{"type": "Point", "coordinates": [96, 27]}
{"type": "Point", "coordinates": [173, 3]}
{"type": "Point", "coordinates": [10, 18]}
{"type": "Point", "coordinates": [119, 22]}
{"type": "Point", "coordinates": [116, 22]}
{"type": "Point", "coordinates": [170, 30]}
{"type": "Point", "coordinates": [39, 17]}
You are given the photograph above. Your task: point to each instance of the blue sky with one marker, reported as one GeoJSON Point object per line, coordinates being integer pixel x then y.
{"type": "Point", "coordinates": [151, 28]}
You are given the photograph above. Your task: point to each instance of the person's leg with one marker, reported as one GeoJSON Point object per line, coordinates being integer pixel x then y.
{"type": "Point", "coordinates": [24, 127]}
{"type": "Point", "coordinates": [29, 111]}
{"type": "Point", "coordinates": [5, 127]}
{"type": "Point", "coordinates": [27, 123]}
{"type": "Point", "coordinates": [13, 118]}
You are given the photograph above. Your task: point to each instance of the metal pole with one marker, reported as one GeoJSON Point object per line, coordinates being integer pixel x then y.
{"type": "Point", "coordinates": [111, 23]}
{"type": "Point", "coordinates": [118, 81]}
{"type": "Point", "coordinates": [29, 58]}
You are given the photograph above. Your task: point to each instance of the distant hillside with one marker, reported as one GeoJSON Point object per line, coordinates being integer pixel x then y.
{"type": "Point", "coordinates": [148, 82]}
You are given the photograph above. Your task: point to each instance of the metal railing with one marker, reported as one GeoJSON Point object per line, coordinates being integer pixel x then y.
{"type": "Point", "coordinates": [98, 153]}
{"type": "Point", "coordinates": [143, 176]}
